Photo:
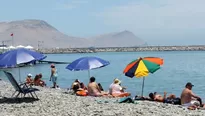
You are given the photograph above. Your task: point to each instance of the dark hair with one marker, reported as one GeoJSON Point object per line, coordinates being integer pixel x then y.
{"type": "Point", "coordinates": [75, 88]}
{"type": "Point", "coordinates": [151, 95]}
{"type": "Point", "coordinates": [100, 86]}
{"type": "Point", "coordinates": [40, 75]}
{"type": "Point", "coordinates": [92, 79]}
{"type": "Point", "coordinates": [36, 77]}
{"type": "Point", "coordinates": [76, 80]}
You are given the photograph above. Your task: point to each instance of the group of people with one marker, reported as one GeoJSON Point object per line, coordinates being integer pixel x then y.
{"type": "Point", "coordinates": [187, 98]}
{"type": "Point", "coordinates": [95, 89]}
{"type": "Point", "coordinates": [37, 80]}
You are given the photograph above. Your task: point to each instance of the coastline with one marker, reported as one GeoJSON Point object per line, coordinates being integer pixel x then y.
{"type": "Point", "coordinates": [121, 49]}
{"type": "Point", "coordinates": [55, 102]}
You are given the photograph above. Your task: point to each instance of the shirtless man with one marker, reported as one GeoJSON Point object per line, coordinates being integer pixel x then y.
{"type": "Point", "coordinates": [157, 97]}
{"type": "Point", "coordinates": [187, 97]}
{"type": "Point", "coordinates": [93, 88]}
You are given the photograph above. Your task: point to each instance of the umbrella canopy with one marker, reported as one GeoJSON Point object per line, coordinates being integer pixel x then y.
{"type": "Point", "coordinates": [17, 56]}
{"type": "Point", "coordinates": [87, 63]}
{"type": "Point", "coordinates": [142, 67]}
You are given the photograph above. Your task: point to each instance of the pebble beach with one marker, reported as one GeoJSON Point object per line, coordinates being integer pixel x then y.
{"type": "Point", "coordinates": [58, 102]}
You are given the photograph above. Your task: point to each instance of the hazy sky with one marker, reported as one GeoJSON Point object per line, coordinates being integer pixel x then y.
{"type": "Point", "coordinates": [159, 22]}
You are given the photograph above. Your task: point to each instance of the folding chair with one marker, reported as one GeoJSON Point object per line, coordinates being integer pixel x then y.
{"type": "Point", "coordinates": [21, 90]}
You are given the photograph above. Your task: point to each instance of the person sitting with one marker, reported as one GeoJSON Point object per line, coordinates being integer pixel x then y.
{"type": "Point", "coordinates": [38, 81]}
{"type": "Point", "coordinates": [41, 82]}
{"type": "Point", "coordinates": [94, 89]}
{"type": "Point", "coordinates": [117, 90]}
{"type": "Point", "coordinates": [82, 86]}
{"type": "Point", "coordinates": [189, 99]}
{"type": "Point", "coordinates": [29, 80]}
{"type": "Point", "coordinates": [75, 82]}
{"type": "Point", "coordinates": [79, 91]}
{"type": "Point", "coordinates": [159, 98]}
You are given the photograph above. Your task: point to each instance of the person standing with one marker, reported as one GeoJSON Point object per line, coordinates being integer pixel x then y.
{"type": "Point", "coordinates": [54, 76]}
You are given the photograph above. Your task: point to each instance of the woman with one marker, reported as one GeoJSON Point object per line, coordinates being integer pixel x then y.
{"type": "Point", "coordinates": [54, 76]}
{"type": "Point", "coordinates": [117, 90]}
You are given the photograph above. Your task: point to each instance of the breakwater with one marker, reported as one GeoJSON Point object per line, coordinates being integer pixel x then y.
{"type": "Point", "coordinates": [122, 49]}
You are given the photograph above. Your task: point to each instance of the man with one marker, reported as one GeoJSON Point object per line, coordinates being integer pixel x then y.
{"type": "Point", "coordinates": [93, 88]}
{"type": "Point", "coordinates": [54, 76]}
{"type": "Point", "coordinates": [189, 99]}
{"type": "Point", "coordinates": [157, 97]}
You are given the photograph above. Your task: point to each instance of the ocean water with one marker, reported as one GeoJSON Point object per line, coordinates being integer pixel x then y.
{"type": "Point", "coordinates": [179, 68]}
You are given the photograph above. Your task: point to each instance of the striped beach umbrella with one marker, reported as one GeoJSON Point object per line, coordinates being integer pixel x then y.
{"type": "Point", "coordinates": [142, 67]}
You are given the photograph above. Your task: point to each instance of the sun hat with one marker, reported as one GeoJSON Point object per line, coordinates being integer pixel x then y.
{"type": "Point", "coordinates": [29, 75]}
{"type": "Point", "coordinates": [117, 81]}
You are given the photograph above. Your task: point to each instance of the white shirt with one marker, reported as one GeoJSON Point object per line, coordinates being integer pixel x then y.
{"type": "Point", "coordinates": [116, 88]}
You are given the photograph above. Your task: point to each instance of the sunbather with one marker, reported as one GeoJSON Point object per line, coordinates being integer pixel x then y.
{"type": "Point", "coordinates": [189, 99]}
{"type": "Point", "coordinates": [29, 79]}
{"type": "Point", "coordinates": [38, 81]}
{"type": "Point", "coordinates": [76, 82]}
{"type": "Point", "coordinates": [117, 90]}
{"type": "Point", "coordinates": [94, 89]}
{"type": "Point", "coordinates": [157, 97]}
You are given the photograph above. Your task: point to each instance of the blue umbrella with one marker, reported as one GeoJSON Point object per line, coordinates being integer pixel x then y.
{"type": "Point", "coordinates": [87, 63]}
{"type": "Point", "coordinates": [18, 56]}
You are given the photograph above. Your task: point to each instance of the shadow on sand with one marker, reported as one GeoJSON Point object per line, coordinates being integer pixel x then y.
{"type": "Point", "coordinates": [17, 100]}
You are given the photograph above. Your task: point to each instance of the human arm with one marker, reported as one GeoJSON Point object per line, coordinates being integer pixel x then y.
{"type": "Point", "coordinates": [193, 95]}
{"type": "Point", "coordinates": [52, 72]}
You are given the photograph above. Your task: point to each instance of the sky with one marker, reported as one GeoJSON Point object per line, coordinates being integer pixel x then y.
{"type": "Point", "coordinates": [158, 22]}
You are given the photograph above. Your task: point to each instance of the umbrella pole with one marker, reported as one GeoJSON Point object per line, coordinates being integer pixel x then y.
{"type": "Point", "coordinates": [19, 75]}
{"type": "Point", "coordinates": [143, 85]}
{"type": "Point", "coordinates": [89, 74]}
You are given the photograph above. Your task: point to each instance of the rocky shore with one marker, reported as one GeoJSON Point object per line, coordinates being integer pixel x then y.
{"type": "Point", "coordinates": [55, 102]}
{"type": "Point", "coordinates": [122, 49]}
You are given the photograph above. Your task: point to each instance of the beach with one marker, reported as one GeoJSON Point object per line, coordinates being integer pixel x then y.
{"type": "Point", "coordinates": [58, 102]}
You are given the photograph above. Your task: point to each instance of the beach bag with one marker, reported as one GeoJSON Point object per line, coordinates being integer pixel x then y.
{"type": "Point", "coordinates": [175, 101]}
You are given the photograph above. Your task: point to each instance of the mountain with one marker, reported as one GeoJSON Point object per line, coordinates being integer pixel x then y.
{"type": "Point", "coordinates": [39, 33]}
{"type": "Point", "coordinates": [118, 39]}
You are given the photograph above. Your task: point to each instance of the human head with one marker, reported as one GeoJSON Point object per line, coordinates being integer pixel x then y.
{"type": "Point", "coordinates": [75, 87]}
{"type": "Point", "coordinates": [76, 80]}
{"type": "Point", "coordinates": [29, 75]}
{"type": "Point", "coordinates": [189, 85]}
{"type": "Point", "coordinates": [92, 79]}
{"type": "Point", "coordinates": [151, 95]}
{"type": "Point", "coordinates": [40, 75]}
{"type": "Point", "coordinates": [36, 78]}
{"type": "Point", "coordinates": [117, 81]}
{"type": "Point", "coordinates": [52, 66]}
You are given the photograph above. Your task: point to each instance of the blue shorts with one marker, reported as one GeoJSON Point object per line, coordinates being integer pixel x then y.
{"type": "Point", "coordinates": [54, 79]}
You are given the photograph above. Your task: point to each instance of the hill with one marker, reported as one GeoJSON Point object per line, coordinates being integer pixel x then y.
{"type": "Point", "coordinates": [39, 33]}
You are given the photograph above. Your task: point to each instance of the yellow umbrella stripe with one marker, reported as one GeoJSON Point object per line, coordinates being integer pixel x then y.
{"type": "Point", "coordinates": [142, 70]}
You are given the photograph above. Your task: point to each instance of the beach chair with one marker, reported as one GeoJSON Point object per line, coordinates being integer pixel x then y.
{"type": "Point", "coordinates": [22, 88]}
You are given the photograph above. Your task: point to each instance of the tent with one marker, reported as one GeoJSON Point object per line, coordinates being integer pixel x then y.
{"type": "Point", "coordinates": [29, 47]}
{"type": "Point", "coordinates": [20, 46]}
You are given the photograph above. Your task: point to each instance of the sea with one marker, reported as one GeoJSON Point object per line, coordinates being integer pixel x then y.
{"type": "Point", "coordinates": [179, 68]}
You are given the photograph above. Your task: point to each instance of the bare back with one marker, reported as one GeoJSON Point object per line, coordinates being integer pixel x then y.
{"type": "Point", "coordinates": [186, 96]}
{"type": "Point", "coordinates": [93, 88]}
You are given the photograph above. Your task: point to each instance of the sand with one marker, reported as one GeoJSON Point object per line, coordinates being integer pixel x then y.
{"type": "Point", "coordinates": [57, 102]}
